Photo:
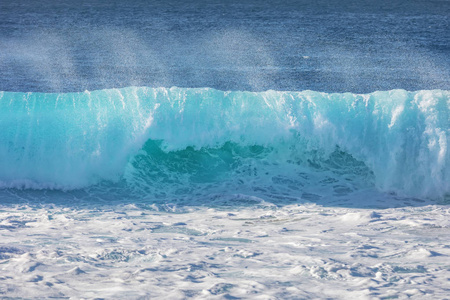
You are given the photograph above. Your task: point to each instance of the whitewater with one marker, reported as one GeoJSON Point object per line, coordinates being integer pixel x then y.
{"type": "Point", "coordinates": [176, 193]}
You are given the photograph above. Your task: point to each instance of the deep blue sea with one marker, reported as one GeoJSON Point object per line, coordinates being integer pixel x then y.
{"type": "Point", "coordinates": [173, 100]}
{"type": "Point", "coordinates": [327, 46]}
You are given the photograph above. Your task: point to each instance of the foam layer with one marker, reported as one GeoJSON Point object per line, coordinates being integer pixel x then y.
{"type": "Point", "coordinates": [140, 134]}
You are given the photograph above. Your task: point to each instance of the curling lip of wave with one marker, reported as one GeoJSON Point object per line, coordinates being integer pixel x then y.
{"type": "Point", "coordinates": [74, 140]}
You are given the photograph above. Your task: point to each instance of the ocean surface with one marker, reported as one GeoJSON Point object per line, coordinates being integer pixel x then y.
{"type": "Point", "coordinates": [225, 149]}
{"type": "Point", "coordinates": [327, 46]}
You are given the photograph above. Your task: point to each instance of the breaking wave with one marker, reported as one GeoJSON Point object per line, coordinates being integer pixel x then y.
{"type": "Point", "coordinates": [177, 140]}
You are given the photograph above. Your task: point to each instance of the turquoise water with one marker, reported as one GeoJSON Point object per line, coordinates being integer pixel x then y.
{"type": "Point", "coordinates": [159, 143]}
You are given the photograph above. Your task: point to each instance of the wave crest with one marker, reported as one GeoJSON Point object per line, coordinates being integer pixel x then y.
{"type": "Point", "coordinates": [396, 139]}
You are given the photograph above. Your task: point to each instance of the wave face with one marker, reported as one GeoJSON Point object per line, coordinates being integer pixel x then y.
{"type": "Point", "coordinates": [168, 142]}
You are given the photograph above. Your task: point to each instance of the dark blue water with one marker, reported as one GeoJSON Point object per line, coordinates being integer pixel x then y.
{"type": "Point", "coordinates": [331, 46]}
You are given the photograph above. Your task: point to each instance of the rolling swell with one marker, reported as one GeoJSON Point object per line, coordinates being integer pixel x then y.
{"type": "Point", "coordinates": [178, 140]}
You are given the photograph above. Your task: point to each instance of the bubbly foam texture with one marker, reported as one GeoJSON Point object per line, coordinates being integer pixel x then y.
{"type": "Point", "coordinates": [394, 140]}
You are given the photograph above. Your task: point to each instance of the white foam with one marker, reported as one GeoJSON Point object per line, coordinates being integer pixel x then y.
{"type": "Point", "coordinates": [307, 251]}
